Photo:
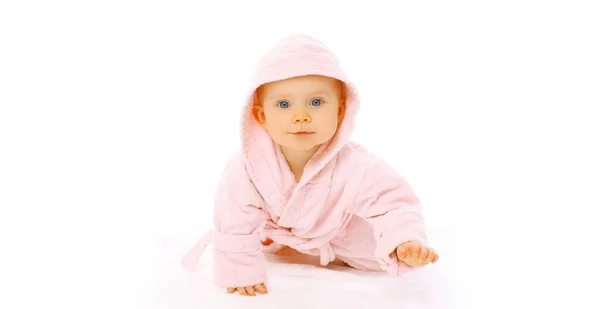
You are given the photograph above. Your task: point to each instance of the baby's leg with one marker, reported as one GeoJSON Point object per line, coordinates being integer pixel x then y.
{"type": "Point", "coordinates": [356, 246]}
{"type": "Point", "coordinates": [290, 255]}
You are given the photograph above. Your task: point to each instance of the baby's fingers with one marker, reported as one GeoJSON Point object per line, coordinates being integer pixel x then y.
{"type": "Point", "coordinates": [250, 291]}
{"type": "Point", "coordinates": [430, 256]}
{"type": "Point", "coordinates": [401, 252]}
{"type": "Point", "coordinates": [423, 253]}
{"type": "Point", "coordinates": [242, 291]}
{"type": "Point", "coordinates": [414, 249]}
{"type": "Point", "coordinates": [261, 288]}
{"type": "Point", "coordinates": [231, 290]}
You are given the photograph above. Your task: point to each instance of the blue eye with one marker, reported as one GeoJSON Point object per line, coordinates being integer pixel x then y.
{"type": "Point", "coordinates": [316, 102]}
{"type": "Point", "coordinates": [283, 104]}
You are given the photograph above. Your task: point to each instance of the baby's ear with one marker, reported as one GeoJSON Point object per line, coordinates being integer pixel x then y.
{"type": "Point", "coordinates": [258, 113]}
{"type": "Point", "coordinates": [342, 106]}
{"type": "Point", "coordinates": [341, 112]}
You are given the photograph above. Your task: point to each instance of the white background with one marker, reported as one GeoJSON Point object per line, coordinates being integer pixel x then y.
{"type": "Point", "coordinates": [117, 117]}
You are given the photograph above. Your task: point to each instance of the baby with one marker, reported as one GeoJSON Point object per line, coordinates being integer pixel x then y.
{"type": "Point", "coordinates": [299, 182]}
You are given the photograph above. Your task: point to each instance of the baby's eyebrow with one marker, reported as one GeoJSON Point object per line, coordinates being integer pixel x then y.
{"type": "Point", "coordinates": [287, 95]}
{"type": "Point", "coordinates": [277, 96]}
{"type": "Point", "coordinates": [321, 92]}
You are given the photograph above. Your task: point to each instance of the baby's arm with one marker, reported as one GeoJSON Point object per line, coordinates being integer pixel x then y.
{"type": "Point", "coordinates": [388, 203]}
{"type": "Point", "coordinates": [238, 219]}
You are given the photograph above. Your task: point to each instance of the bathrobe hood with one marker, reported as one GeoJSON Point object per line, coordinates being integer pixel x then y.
{"type": "Point", "coordinates": [295, 55]}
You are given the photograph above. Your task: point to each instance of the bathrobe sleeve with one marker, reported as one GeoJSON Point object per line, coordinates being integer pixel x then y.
{"type": "Point", "coordinates": [392, 209]}
{"type": "Point", "coordinates": [237, 221]}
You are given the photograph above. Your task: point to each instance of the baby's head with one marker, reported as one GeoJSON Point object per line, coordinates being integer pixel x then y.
{"type": "Point", "coordinates": [311, 103]}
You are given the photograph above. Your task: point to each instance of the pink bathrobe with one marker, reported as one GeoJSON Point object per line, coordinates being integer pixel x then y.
{"type": "Point", "coordinates": [349, 204]}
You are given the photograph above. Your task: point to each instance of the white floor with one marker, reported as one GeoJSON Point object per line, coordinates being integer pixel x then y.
{"type": "Point", "coordinates": [475, 270]}
{"type": "Point", "coordinates": [302, 283]}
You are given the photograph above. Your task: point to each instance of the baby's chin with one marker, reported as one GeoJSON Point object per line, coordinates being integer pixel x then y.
{"type": "Point", "coordinates": [300, 143]}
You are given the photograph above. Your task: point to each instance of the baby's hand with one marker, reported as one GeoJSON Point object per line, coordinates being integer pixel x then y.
{"type": "Point", "coordinates": [250, 290]}
{"type": "Point", "coordinates": [416, 254]}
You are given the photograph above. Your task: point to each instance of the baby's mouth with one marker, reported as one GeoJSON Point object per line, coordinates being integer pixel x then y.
{"type": "Point", "coordinates": [302, 133]}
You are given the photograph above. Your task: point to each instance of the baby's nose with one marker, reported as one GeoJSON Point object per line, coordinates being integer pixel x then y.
{"type": "Point", "coordinates": [303, 118]}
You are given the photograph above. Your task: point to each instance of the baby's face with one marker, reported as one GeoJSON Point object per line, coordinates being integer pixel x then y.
{"type": "Point", "coordinates": [308, 104]}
